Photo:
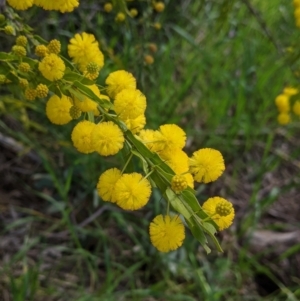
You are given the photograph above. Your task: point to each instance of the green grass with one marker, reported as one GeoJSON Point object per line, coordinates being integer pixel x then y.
{"type": "Point", "coordinates": [216, 74]}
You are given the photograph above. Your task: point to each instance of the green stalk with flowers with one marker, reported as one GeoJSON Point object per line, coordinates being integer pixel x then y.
{"type": "Point", "coordinates": [111, 119]}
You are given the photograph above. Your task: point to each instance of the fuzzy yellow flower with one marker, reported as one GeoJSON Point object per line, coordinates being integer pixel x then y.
{"type": "Point", "coordinates": [54, 46]}
{"type": "Point", "coordinates": [41, 91]}
{"type": "Point", "coordinates": [151, 139]}
{"type": "Point", "coordinates": [118, 81]}
{"type": "Point", "coordinates": [297, 16]}
{"type": "Point", "coordinates": [60, 5]}
{"type": "Point", "coordinates": [41, 50]}
{"type": "Point", "coordinates": [296, 108]}
{"type": "Point", "coordinates": [206, 165]}
{"type": "Point", "coordinates": [106, 184]}
{"type": "Point", "coordinates": [220, 211]}
{"type": "Point", "coordinates": [81, 136]}
{"type": "Point", "coordinates": [52, 67]}
{"type": "Point", "coordinates": [30, 94]}
{"type": "Point", "coordinates": [297, 3]}
{"type": "Point", "coordinates": [148, 59]}
{"type": "Point", "coordinates": [173, 137]}
{"type": "Point", "coordinates": [290, 91]}
{"type": "Point", "coordinates": [190, 180]}
{"type": "Point", "coordinates": [21, 41]}
{"type": "Point", "coordinates": [135, 125]}
{"type": "Point", "coordinates": [107, 138]}
{"type": "Point", "coordinates": [166, 233]}
{"type": "Point", "coordinates": [84, 49]}
{"type": "Point", "coordinates": [58, 109]}
{"type": "Point", "coordinates": [159, 6]}
{"type": "Point", "coordinates": [20, 4]}
{"type": "Point", "coordinates": [108, 7]}
{"type": "Point", "coordinates": [130, 104]}
{"type": "Point", "coordinates": [133, 12]}
{"type": "Point", "coordinates": [177, 159]}
{"type": "Point", "coordinates": [132, 191]}
{"type": "Point", "coordinates": [120, 17]}
{"type": "Point", "coordinates": [282, 102]}
{"type": "Point", "coordinates": [178, 183]}
{"type": "Point", "coordinates": [284, 118]}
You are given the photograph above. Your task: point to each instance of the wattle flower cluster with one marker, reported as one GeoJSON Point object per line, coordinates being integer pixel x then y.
{"type": "Point", "coordinates": [59, 5]}
{"type": "Point", "coordinates": [111, 117]}
{"type": "Point", "coordinates": [297, 12]}
{"type": "Point", "coordinates": [285, 103]}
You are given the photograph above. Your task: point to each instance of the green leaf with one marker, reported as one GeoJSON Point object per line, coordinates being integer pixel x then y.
{"type": "Point", "coordinates": [196, 231]}
{"type": "Point", "coordinates": [76, 94]}
{"type": "Point", "coordinates": [209, 228]}
{"type": "Point", "coordinates": [91, 116]}
{"type": "Point", "coordinates": [8, 57]}
{"type": "Point", "coordinates": [177, 204]}
{"type": "Point", "coordinates": [73, 76]}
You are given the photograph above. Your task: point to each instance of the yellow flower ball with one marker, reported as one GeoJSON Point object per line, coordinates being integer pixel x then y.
{"type": "Point", "coordinates": [177, 159]}
{"type": "Point", "coordinates": [30, 94]}
{"type": "Point", "coordinates": [59, 5]}
{"type": "Point", "coordinates": [23, 82]}
{"type": "Point", "coordinates": [178, 183]}
{"type": "Point", "coordinates": [108, 7]}
{"type": "Point", "coordinates": [132, 191]}
{"type": "Point", "coordinates": [2, 79]}
{"type": "Point", "coordinates": [21, 41]}
{"type": "Point", "coordinates": [148, 59]}
{"type": "Point", "coordinates": [120, 17]}
{"type": "Point", "coordinates": [290, 91]}
{"type": "Point", "coordinates": [297, 3]}
{"type": "Point", "coordinates": [118, 81]}
{"type": "Point", "coordinates": [19, 50]}
{"type": "Point", "coordinates": [166, 233]}
{"type": "Point", "coordinates": [282, 102]}
{"type": "Point", "coordinates": [41, 91]}
{"type": "Point", "coordinates": [157, 26]}
{"type": "Point", "coordinates": [84, 49]}
{"type": "Point", "coordinates": [151, 139]}
{"type": "Point", "coordinates": [296, 108]}
{"type": "Point", "coordinates": [133, 12]}
{"type": "Point", "coordinates": [54, 46]}
{"type": "Point", "coordinates": [284, 118]}
{"type": "Point", "coordinates": [75, 112]}
{"type": "Point", "coordinates": [81, 136]}
{"type": "Point", "coordinates": [106, 184]}
{"type": "Point", "coordinates": [92, 68]}
{"type": "Point", "coordinates": [24, 67]}
{"type": "Point", "coordinates": [222, 215]}
{"type": "Point", "coordinates": [206, 165]}
{"type": "Point", "coordinates": [20, 4]}
{"type": "Point", "coordinates": [52, 67]}
{"type": "Point", "coordinates": [41, 50]}
{"type": "Point", "coordinates": [159, 6]}
{"type": "Point", "coordinates": [190, 180]}
{"type": "Point", "coordinates": [58, 109]}
{"type": "Point", "coordinates": [8, 29]}
{"type": "Point", "coordinates": [173, 137]}
{"type": "Point", "coordinates": [135, 125]}
{"type": "Point", "coordinates": [152, 47]}
{"type": "Point", "coordinates": [130, 104]}
{"type": "Point", "coordinates": [107, 138]}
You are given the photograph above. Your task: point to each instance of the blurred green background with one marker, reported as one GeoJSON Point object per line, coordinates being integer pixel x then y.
{"type": "Point", "coordinates": [218, 67]}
